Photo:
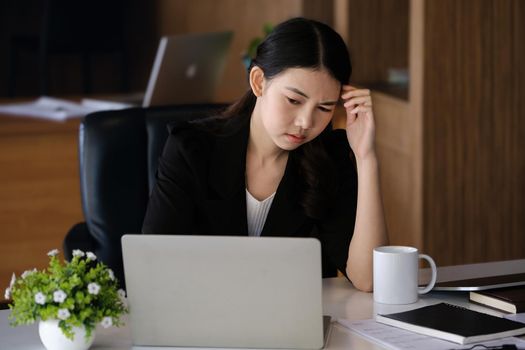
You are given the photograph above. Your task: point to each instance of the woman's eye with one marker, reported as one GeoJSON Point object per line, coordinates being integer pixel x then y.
{"type": "Point", "coordinates": [324, 109]}
{"type": "Point", "coordinates": [292, 101]}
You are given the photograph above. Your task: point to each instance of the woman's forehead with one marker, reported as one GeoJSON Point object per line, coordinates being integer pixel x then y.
{"type": "Point", "coordinates": [314, 82]}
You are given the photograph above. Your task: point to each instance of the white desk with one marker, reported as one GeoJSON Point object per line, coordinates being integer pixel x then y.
{"type": "Point", "coordinates": [340, 300]}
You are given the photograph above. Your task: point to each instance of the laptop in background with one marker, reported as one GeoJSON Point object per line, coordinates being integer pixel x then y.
{"type": "Point", "coordinates": [217, 291]}
{"type": "Point", "coordinates": [187, 69]}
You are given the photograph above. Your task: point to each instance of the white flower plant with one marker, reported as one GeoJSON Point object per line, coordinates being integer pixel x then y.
{"type": "Point", "coordinates": [82, 292]}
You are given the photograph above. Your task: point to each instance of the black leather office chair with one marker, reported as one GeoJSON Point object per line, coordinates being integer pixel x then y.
{"type": "Point", "coordinates": [118, 153]}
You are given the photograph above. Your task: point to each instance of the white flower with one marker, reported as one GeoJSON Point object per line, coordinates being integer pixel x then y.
{"type": "Point", "coordinates": [59, 296]}
{"type": "Point", "coordinates": [111, 274]}
{"type": "Point", "coordinates": [78, 252]}
{"type": "Point", "coordinates": [13, 280]}
{"type": "Point", "coordinates": [106, 322]}
{"type": "Point", "coordinates": [7, 294]}
{"type": "Point", "coordinates": [122, 293]}
{"type": "Point", "coordinates": [91, 256]}
{"type": "Point", "coordinates": [52, 252]}
{"type": "Point", "coordinates": [40, 298]}
{"type": "Point", "coordinates": [28, 272]}
{"type": "Point", "coordinates": [93, 288]}
{"type": "Point", "coordinates": [63, 314]}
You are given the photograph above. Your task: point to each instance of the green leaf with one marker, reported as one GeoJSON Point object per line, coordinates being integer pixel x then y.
{"type": "Point", "coordinates": [255, 42]}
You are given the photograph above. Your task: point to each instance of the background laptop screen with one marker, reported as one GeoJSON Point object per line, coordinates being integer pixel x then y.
{"type": "Point", "coordinates": [187, 68]}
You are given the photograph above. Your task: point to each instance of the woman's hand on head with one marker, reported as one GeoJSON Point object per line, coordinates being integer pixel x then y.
{"type": "Point", "coordinates": [360, 126]}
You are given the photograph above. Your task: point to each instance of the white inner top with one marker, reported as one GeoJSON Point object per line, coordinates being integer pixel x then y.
{"type": "Point", "coordinates": [256, 212]}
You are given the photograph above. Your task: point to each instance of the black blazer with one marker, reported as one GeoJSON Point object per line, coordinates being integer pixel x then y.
{"type": "Point", "coordinates": [201, 190]}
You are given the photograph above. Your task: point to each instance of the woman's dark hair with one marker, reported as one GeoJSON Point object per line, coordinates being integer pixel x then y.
{"type": "Point", "coordinates": [303, 43]}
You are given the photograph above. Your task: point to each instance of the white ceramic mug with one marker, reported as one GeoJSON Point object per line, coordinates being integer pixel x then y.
{"type": "Point", "coordinates": [396, 275]}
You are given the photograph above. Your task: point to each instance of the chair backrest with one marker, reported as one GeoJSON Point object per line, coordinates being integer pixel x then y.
{"type": "Point", "coordinates": [118, 153]}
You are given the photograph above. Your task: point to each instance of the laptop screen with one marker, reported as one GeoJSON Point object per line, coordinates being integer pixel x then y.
{"type": "Point", "coordinates": [187, 68]}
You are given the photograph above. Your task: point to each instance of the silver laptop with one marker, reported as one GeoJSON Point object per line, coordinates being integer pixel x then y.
{"type": "Point", "coordinates": [216, 291]}
{"type": "Point", "coordinates": [187, 68]}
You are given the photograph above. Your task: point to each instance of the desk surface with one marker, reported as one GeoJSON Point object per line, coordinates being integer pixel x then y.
{"type": "Point", "coordinates": [340, 300]}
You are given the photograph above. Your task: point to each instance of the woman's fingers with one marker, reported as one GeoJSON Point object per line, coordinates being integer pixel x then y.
{"type": "Point", "coordinates": [354, 98]}
{"type": "Point", "coordinates": [360, 109]}
{"type": "Point", "coordinates": [358, 100]}
{"type": "Point", "coordinates": [351, 118]}
{"type": "Point", "coordinates": [363, 100]}
{"type": "Point", "coordinates": [350, 92]}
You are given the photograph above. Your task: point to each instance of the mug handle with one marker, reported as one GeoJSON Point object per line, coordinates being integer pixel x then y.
{"type": "Point", "coordinates": [423, 290]}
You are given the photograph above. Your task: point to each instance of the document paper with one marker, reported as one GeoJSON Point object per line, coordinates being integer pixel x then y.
{"type": "Point", "coordinates": [51, 108]}
{"type": "Point", "coordinates": [399, 339]}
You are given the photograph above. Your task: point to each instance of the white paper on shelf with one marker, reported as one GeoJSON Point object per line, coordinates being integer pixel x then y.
{"type": "Point", "coordinates": [400, 339]}
{"type": "Point", "coordinates": [57, 109]}
{"type": "Point", "coordinates": [104, 104]}
{"type": "Point", "coordinates": [47, 108]}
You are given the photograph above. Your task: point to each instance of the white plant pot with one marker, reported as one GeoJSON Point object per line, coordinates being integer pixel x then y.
{"type": "Point", "coordinates": [53, 339]}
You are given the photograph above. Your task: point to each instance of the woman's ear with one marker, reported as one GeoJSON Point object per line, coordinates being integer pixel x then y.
{"type": "Point", "coordinates": [257, 81]}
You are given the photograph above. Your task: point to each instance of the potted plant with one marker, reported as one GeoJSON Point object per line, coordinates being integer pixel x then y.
{"type": "Point", "coordinates": [69, 299]}
{"type": "Point", "coordinates": [251, 50]}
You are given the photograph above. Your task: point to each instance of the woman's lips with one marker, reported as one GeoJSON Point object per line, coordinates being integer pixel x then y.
{"type": "Point", "coordinates": [293, 138]}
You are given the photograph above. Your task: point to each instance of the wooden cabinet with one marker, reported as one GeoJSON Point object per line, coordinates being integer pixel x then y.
{"type": "Point", "coordinates": [451, 149]}
{"type": "Point", "coordinates": [39, 191]}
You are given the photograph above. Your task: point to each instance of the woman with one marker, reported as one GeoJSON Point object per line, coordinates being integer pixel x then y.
{"type": "Point", "coordinates": [270, 165]}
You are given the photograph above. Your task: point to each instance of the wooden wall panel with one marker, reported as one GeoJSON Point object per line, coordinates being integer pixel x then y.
{"type": "Point", "coordinates": [377, 33]}
{"type": "Point", "coordinates": [394, 141]}
{"type": "Point", "coordinates": [378, 37]}
{"type": "Point", "coordinates": [320, 10]}
{"type": "Point", "coordinates": [518, 123]}
{"type": "Point", "coordinates": [473, 133]}
{"type": "Point", "coordinates": [415, 115]}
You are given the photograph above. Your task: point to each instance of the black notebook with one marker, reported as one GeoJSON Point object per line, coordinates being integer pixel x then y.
{"type": "Point", "coordinates": [507, 299]}
{"type": "Point", "coordinates": [453, 323]}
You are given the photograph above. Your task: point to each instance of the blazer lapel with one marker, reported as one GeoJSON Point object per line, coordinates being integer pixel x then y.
{"type": "Point", "coordinates": [286, 215]}
{"type": "Point", "coordinates": [226, 198]}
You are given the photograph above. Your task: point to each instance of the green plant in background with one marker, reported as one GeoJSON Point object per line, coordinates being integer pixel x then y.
{"type": "Point", "coordinates": [83, 292]}
{"type": "Point", "coordinates": [254, 43]}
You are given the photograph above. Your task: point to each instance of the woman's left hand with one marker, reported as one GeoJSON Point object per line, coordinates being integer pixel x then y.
{"type": "Point", "coordinates": [360, 126]}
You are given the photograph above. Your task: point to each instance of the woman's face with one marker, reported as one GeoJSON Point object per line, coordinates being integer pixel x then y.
{"type": "Point", "coordinates": [297, 105]}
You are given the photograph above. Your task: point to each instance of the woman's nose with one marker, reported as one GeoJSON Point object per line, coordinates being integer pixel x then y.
{"type": "Point", "coordinates": [304, 120]}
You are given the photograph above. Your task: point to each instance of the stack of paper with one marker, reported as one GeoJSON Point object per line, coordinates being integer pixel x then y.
{"type": "Point", "coordinates": [399, 339]}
